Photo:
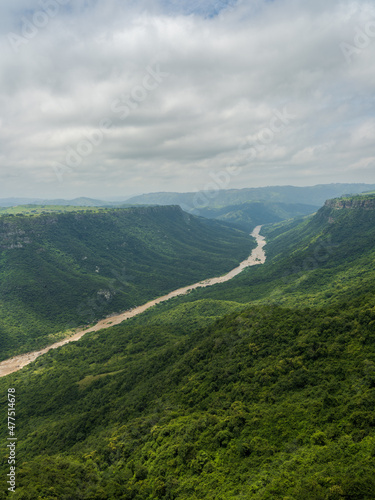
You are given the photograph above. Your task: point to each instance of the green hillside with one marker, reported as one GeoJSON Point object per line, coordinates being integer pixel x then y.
{"type": "Point", "coordinates": [324, 258]}
{"type": "Point", "coordinates": [247, 216]}
{"type": "Point", "coordinates": [59, 271]}
{"type": "Point", "coordinates": [260, 388]}
{"type": "Point", "coordinates": [269, 403]}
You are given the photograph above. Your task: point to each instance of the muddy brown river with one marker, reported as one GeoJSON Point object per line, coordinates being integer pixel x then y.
{"type": "Point", "coordinates": [257, 257]}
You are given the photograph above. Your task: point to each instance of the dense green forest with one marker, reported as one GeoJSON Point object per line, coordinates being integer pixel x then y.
{"type": "Point", "coordinates": [259, 388]}
{"type": "Point", "coordinates": [269, 403]}
{"type": "Point", "coordinates": [60, 271]}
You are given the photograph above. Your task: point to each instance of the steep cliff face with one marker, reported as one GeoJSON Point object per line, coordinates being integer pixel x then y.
{"type": "Point", "coordinates": [18, 231]}
{"type": "Point", "coordinates": [364, 202]}
{"type": "Point", "coordinates": [340, 233]}
{"type": "Point", "coordinates": [347, 210]}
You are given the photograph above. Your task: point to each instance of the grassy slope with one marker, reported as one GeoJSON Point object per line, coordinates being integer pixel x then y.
{"type": "Point", "coordinates": [65, 270]}
{"type": "Point", "coordinates": [266, 402]}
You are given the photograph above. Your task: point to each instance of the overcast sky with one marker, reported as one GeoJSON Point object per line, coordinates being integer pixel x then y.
{"type": "Point", "coordinates": [107, 98]}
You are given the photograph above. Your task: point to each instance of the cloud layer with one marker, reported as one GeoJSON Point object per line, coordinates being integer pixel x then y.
{"type": "Point", "coordinates": [112, 98]}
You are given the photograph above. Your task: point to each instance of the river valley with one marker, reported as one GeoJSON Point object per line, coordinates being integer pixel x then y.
{"type": "Point", "coordinates": [257, 257]}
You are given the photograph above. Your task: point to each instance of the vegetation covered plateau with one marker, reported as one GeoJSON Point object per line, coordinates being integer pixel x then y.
{"type": "Point", "coordinates": [62, 270]}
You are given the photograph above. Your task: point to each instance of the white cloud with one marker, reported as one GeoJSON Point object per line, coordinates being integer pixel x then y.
{"type": "Point", "coordinates": [227, 74]}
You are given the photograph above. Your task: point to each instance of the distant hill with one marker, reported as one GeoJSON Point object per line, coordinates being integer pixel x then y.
{"type": "Point", "coordinates": [11, 202]}
{"type": "Point", "coordinates": [59, 271]}
{"type": "Point", "coordinates": [311, 195]}
{"type": "Point", "coordinates": [246, 216]}
{"type": "Point", "coordinates": [78, 202]}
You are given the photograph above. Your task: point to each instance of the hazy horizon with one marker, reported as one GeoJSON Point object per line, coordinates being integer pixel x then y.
{"type": "Point", "coordinates": [122, 198]}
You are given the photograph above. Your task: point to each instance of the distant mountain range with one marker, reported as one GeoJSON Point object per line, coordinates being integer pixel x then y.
{"type": "Point", "coordinates": [77, 202]}
{"type": "Point", "coordinates": [310, 195]}
{"type": "Point", "coordinates": [192, 202]}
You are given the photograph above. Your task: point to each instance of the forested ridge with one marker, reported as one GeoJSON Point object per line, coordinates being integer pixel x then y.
{"type": "Point", "coordinates": [61, 271]}
{"type": "Point", "coordinates": [247, 216]}
{"type": "Point", "coordinates": [259, 388]}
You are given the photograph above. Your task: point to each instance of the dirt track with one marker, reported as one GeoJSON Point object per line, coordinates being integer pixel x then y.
{"type": "Point", "coordinates": [257, 257]}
